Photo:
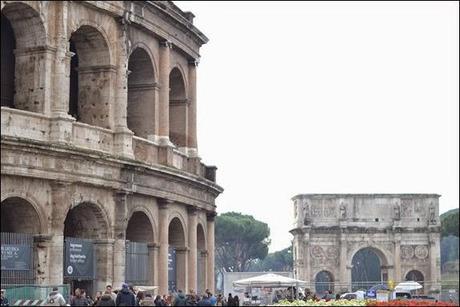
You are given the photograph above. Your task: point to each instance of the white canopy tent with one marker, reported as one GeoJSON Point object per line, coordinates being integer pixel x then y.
{"type": "Point", "coordinates": [408, 286]}
{"type": "Point", "coordinates": [269, 281]}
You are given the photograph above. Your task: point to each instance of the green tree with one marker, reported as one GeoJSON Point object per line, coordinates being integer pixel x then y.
{"type": "Point", "coordinates": [240, 239]}
{"type": "Point", "coordinates": [279, 261]}
{"type": "Point", "coordinates": [449, 223]}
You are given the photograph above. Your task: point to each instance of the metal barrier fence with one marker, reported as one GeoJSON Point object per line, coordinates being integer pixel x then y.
{"type": "Point", "coordinates": [23, 244]}
{"type": "Point", "coordinates": [447, 290]}
{"type": "Point", "coordinates": [15, 293]}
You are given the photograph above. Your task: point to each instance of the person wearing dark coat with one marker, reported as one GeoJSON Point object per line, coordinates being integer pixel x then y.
{"type": "Point", "coordinates": [106, 300]}
{"type": "Point", "coordinates": [125, 297]}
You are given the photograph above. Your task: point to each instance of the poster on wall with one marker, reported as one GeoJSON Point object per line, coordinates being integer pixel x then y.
{"type": "Point", "coordinates": [171, 269]}
{"type": "Point", "coordinates": [16, 257]}
{"type": "Point", "coordinates": [79, 263]}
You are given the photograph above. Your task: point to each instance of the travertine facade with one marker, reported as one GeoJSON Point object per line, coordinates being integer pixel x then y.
{"type": "Point", "coordinates": [98, 137]}
{"type": "Point", "coordinates": [402, 230]}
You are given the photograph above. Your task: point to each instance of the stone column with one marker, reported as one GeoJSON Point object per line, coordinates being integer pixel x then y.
{"type": "Point", "coordinates": [164, 244]}
{"type": "Point", "coordinates": [182, 268]}
{"type": "Point", "coordinates": [210, 247]}
{"type": "Point", "coordinates": [192, 256]}
{"type": "Point", "coordinates": [33, 89]}
{"type": "Point", "coordinates": [397, 258]}
{"type": "Point", "coordinates": [343, 261]}
{"type": "Point", "coordinates": [119, 247]}
{"type": "Point", "coordinates": [123, 137]}
{"type": "Point", "coordinates": [61, 121]}
{"type": "Point", "coordinates": [435, 260]}
{"type": "Point", "coordinates": [306, 252]}
{"type": "Point", "coordinates": [164, 71]}
{"type": "Point", "coordinates": [153, 263]}
{"type": "Point", "coordinates": [60, 206]}
{"type": "Point", "coordinates": [201, 283]}
{"type": "Point", "coordinates": [104, 262]}
{"type": "Point", "coordinates": [192, 146]}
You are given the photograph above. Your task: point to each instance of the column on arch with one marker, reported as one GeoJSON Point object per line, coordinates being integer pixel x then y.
{"type": "Point", "coordinates": [210, 240]}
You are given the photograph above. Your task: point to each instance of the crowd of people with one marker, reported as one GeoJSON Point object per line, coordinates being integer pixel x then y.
{"type": "Point", "coordinates": [128, 296]}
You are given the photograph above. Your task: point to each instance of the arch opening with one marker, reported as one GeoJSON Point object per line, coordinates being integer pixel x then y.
{"type": "Point", "coordinates": [324, 281]}
{"type": "Point", "coordinates": [368, 268]}
{"type": "Point", "coordinates": [201, 259]}
{"type": "Point", "coordinates": [23, 41]}
{"type": "Point", "coordinates": [141, 94]}
{"type": "Point", "coordinates": [417, 276]}
{"type": "Point", "coordinates": [91, 77]}
{"type": "Point", "coordinates": [177, 109]}
{"type": "Point", "coordinates": [85, 225]}
{"type": "Point", "coordinates": [177, 274]}
{"type": "Point", "coordinates": [139, 233]}
{"type": "Point", "coordinates": [19, 223]}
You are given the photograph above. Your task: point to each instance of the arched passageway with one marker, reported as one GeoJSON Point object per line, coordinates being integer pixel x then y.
{"type": "Point", "coordinates": [367, 270]}
{"type": "Point", "coordinates": [85, 244]}
{"type": "Point", "coordinates": [141, 94]}
{"type": "Point", "coordinates": [177, 109]}
{"type": "Point", "coordinates": [201, 259]}
{"type": "Point", "coordinates": [91, 77]}
{"type": "Point", "coordinates": [23, 72]}
{"type": "Point", "coordinates": [324, 281]}
{"type": "Point", "coordinates": [177, 268]}
{"type": "Point", "coordinates": [139, 257]}
{"type": "Point", "coordinates": [19, 223]}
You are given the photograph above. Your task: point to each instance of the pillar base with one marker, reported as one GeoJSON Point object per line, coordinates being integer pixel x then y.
{"type": "Point", "coordinates": [123, 142]}
{"type": "Point", "coordinates": [164, 141]}
{"type": "Point", "coordinates": [61, 128]}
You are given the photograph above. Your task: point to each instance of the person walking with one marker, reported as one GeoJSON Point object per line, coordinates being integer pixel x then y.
{"type": "Point", "coordinates": [125, 297]}
{"type": "Point", "coordinates": [4, 300]}
{"type": "Point", "coordinates": [230, 301]}
{"type": "Point", "coordinates": [109, 289]}
{"type": "Point", "coordinates": [159, 301]}
{"type": "Point", "coordinates": [106, 299]}
{"type": "Point", "coordinates": [179, 299]}
{"type": "Point", "coordinates": [79, 299]}
{"type": "Point", "coordinates": [55, 298]}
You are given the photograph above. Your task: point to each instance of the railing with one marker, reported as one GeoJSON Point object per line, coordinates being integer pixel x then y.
{"type": "Point", "coordinates": [91, 137]}
{"type": "Point", "coordinates": [36, 126]}
{"type": "Point", "coordinates": [19, 294]}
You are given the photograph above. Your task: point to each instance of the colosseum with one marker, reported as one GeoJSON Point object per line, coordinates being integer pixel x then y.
{"type": "Point", "coordinates": [101, 180]}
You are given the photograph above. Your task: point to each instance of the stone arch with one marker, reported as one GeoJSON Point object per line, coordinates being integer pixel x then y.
{"type": "Point", "coordinates": [149, 215]}
{"type": "Point", "coordinates": [34, 203]}
{"type": "Point", "coordinates": [365, 273]}
{"type": "Point", "coordinates": [87, 220]}
{"type": "Point", "coordinates": [147, 49]}
{"type": "Point", "coordinates": [140, 228]}
{"type": "Point", "coordinates": [141, 93]}
{"type": "Point", "coordinates": [91, 76]}
{"type": "Point", "coordinates": [384, 256]}
{"type": "Point", "coordinates": [324, 280]}
{"type": "Point", "coordinates": [18, 215]}
{"type": "Point", "coordinates": [201, 258]}
{"type": "Point", "coordinates": [176, 214]}
{"type": "Point", "coordinates": [23, 42]}
{"type": "Point", "coordinates": [178, 107]}
{"type": "Point", "coordinates": [415, 275]}
{"type": "Point", "coordinates": [178, 250]}
{"type": "Point", "coordinates": [201, 237]}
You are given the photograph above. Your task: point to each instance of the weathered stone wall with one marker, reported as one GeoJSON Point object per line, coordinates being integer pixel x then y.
{"type": "Point", "coordinates": [402, 229]}
{"type": "Point", "coordinates": [89, 176]}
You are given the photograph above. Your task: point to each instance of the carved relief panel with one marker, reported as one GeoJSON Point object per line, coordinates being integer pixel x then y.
{"type": "Point", "coordinates": [414, 252]}
{"type": "Point", "coordinates": [323, 256]}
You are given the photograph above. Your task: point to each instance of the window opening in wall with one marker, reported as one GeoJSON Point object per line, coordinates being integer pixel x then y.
{"type": "Point", "coordinates": [376, 219]}
{"type": "Point", "coordinates": [73, 89]}
{"type": "Point", "coordinates": [418, 219]}
{"type": "Point", "coordinates": [8, 44]}
{"type": "Point", "coordinates": [177, 109]}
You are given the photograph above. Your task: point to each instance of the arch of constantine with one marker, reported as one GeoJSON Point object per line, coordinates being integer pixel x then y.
{"type": "Point", "coordinates": [99, 147]}
{"type": "Point", "coordinates": [353, 241]}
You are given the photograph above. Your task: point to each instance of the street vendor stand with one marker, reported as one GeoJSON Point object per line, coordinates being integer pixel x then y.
{"type": "Point", "coordinates": [269, 281]}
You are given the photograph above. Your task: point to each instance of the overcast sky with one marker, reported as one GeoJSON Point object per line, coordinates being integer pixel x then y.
{"type": "Point", "coordinates": [327, 97]}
